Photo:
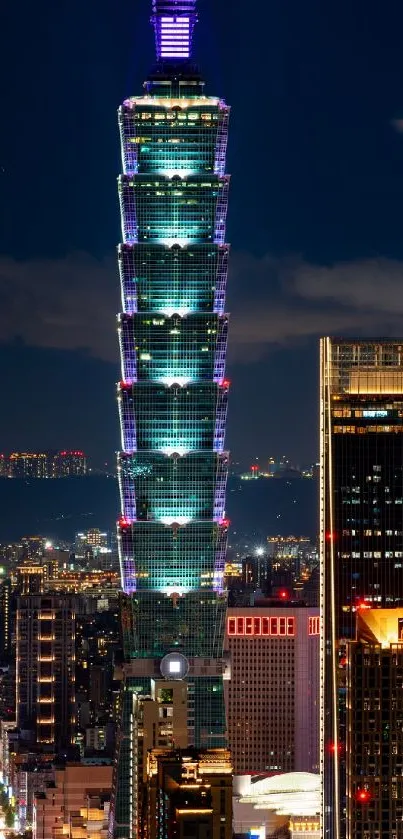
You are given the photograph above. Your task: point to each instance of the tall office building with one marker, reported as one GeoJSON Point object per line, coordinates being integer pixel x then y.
{"type": "Point", "coordinates": [374, 749]}
{"type": "Point", "coordinates": [274, 655]}
{"type": "Point", "coordinates": [46, 668]}
{"type": "Point", "coordinates": [361, 523]}
{"type": "Point", "coordinates": [173, 394]}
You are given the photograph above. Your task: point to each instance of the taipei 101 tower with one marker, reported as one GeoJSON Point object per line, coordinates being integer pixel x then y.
{"type": "Point", "coordinates": [172, 402]}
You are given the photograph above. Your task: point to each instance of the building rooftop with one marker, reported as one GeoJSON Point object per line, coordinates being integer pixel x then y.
{"type": "Point", "coordinates": [288, 794]}
{"type": "Point", "coordinates": [380, 626]}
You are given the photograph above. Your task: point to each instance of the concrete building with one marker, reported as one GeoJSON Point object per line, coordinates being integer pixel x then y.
{"type": "Point", "coordinates": [6, 626]}
{"type": "Point", "coordinates": [90, 822]}
{"type": "Point", "coordinates": [30, 578]}
{"type": "Point", "coordinates": [95, 738]}
{"type": "Point", "coordinates": [274, 664]}
{"type": "Point", "coordinates": [196, 790]}
{"type": "Point", "coordinates": [6, 727]}
{"type": "Point", "coordinates": [158, 721]}
{"type": "Point", "coordinates": [71, 793]}
{"type": "Point", "coordinates": [46, 668]}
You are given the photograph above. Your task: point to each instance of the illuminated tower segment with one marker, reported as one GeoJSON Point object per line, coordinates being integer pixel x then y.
{"type": "Point", "coordinates": [173, 24]}
{"type": "Point", "coordinates": [173, 394]}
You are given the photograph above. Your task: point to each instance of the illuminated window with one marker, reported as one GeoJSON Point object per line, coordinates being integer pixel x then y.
{"type": "Point", "coordinates": [250, 626]}
{"type": "Point", "coordinates": [314, 625]}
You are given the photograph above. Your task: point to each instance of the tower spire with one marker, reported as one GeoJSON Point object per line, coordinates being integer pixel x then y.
{"type": "Point", "coordinates": [173, 22]}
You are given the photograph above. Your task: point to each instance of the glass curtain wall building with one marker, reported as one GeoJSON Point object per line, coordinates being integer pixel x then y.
{"type": "Point", "coordinates": [361, 530]}
{"type": "Point", "coordinates": [173, 393]}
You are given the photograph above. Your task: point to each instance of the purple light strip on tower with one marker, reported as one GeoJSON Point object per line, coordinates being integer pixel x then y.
{"type": "Point", "coordinates": [221, 415]}
{"type": "Point", "coordinates": [127, 422]}
{"type": "Point", "coordinates": [128, 567]}
{"type": "Point", "coordinates": [221, 483]}
{"type": "Point", "coordinates": [221, 281]}
{"type": "Point", "coordinates": [219, 564]}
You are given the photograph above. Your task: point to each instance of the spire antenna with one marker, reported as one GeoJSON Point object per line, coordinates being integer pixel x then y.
{"type": "Point", "coordinates": [173, 22]}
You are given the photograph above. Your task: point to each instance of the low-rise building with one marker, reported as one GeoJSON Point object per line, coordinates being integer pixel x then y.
{"type": "Point", "coordinates": [74, 787]}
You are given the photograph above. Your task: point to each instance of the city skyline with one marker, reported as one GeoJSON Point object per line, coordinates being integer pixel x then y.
{"type": "Point", "coordinates": [323, 117]}
{"type": "Point", "coordinates": [319, 164]}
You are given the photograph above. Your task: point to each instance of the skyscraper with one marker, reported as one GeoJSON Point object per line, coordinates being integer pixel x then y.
{"type": "Point", "coordinates": [361, 523]}
{"type": "Point", "coordinates": [173, 394]}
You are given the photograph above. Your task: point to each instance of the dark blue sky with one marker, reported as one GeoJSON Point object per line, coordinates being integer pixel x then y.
{"type": "Point", "coordinates": [315, 222]}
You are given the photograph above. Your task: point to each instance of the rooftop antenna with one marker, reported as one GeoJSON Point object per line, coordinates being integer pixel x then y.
{"type": "Point", "coordinates": [173, 22]}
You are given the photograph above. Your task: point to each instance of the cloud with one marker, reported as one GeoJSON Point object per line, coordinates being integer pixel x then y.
{"type": "Point", "coordinates": [398, 125]}
{"type": "Point", "coordinates": [356, 298]}
{"type": "Point", "coordinates": [369, 285]}
{"type": "Point", "coordinates": [70, 302]}
{"type": "Point", "coordinates": [67, 303]}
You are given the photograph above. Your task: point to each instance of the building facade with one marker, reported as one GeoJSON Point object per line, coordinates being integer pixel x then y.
{"type": "Point", "coordinates": [274, 663]}
{"type": "Point", "coordinates": [46, 668]}
{"type": "Point", "coordinates": [189, 794]}
{"type": "Point", "coordinates": [71, 795]}
{"type": "Point", "coordinates": [173, 393]}
{"type": "Point", "coordinates": [6, 620]}
{"type": "Point", "coordinates": [48, 464]}
{"type": "Point", "coordinates": [361, 523]}
{"type": "Point", "coordinates": [374, 747]}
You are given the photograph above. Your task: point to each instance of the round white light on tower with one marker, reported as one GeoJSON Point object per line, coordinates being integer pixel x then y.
{"type": "Point", "coordinates": [174, 666]}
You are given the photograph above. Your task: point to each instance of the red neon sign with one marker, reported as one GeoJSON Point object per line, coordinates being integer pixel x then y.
{"type": "Point", "coordinates": [251, 626]}
{"type": "Point", "coordinates": [314, 625]}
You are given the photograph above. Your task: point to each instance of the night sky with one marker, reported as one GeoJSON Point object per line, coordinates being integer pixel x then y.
{"type": "Point", "coordinates": [315, 220]}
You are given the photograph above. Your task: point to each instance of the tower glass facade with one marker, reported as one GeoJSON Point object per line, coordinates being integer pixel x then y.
{"type": "Point", "coordinates": [173, 392]}
{"type": "Point", "coordinates": [374, 758]}
{"type": "Point", "coordinates": [361, 524]}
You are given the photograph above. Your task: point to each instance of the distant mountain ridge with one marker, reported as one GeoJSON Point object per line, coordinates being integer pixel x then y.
{"type": "Point", "coordinates": [58, 509]}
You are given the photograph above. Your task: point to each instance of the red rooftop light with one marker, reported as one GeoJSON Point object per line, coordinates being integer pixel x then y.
{"type": "Point", "coordinates": [124, 522]}
{"type": "Point", "coordinates": [363, 605]}
{"type": "Point", "coordinates": [333, 748]}
{"type": "Point", "coordinates": [363, 796]}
